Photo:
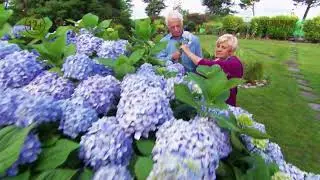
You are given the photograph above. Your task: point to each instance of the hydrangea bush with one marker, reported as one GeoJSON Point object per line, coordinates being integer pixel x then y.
{"type": "Point", "coordinates": [84, 120]}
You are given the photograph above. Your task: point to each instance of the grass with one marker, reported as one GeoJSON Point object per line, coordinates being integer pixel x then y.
{"type": "Point", "coordinates": [308, 59]}
{"type": "Point", "coordinates": [279, 106]}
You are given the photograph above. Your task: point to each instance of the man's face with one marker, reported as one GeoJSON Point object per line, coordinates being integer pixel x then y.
{"type": "Point", "coordinates": [175, 27]}
{"type": "Point", "coordinates": [223, 50]}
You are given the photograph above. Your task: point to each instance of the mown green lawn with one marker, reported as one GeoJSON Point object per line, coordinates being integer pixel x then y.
{"type": "Point", "coordinates": [286, 115]}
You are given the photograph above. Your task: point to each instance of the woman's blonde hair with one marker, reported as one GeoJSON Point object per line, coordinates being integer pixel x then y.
{"type": "Point", "coordinates": [231, 39]}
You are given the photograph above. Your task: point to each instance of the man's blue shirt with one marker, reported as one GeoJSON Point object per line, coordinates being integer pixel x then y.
{"type": "Point", "coordinates": [194, 46]}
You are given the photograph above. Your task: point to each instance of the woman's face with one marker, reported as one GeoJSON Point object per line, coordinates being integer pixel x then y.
{"type": "Point", "coordinates": [175, 27]}
{"type": "Point", "coordinates": [223, 50]}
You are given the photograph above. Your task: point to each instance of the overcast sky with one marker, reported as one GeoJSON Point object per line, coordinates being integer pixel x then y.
{"type": "Point", "coordinates": [263, 8]}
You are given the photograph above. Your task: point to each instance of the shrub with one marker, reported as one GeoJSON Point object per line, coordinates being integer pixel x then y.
{"type": "Point", "coordinates": [312, 29]}
{"type": "Point", "coordinates": [191, 26]}
{"type": "Point", "coordinates": [196, 18]}
{"type": "Point", "coordinates": [232, 24]}
{"type": "Point", "coordinates": [281, 27]}
{"type": "Point", "coordinates": [213, 27]}
{"type": "Point", "coordinates": [122, 32]}
{"type": "Point", "coordinates": [259, 26]}
{"type": "Point", "coordinates": [253, 70]}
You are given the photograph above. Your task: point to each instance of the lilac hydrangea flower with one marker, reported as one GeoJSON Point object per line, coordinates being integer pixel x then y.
{"type": "Point", "coordinates": [88, 44]}
{"type": "Point", "coordinates": [112, 172]}
{"type": "Point", "coordinates": [105, 143]}
{"type": "Point", "coordinates": [28, 154]}
{"type": "Point", "coordinates": [50, 84]}
{"type": "Point", "coordinates": [100, 92]}
{"type": "Point", "coordinates": [7, 48]}
{"type": "Point", "coordinates": [18, 69]}
{"type": "Point", "coordinates": [142, 111]}
{"type": "Point", "coordinates": [112, 49]}
{"type": "Point", "coordinates": [187, 139]}
{"type": "Point", "coordinates": [77, 117]}
{"type": "Point", "coordinates": [175, 167]}
{"type": "Point", "coordinates": [37, 109]}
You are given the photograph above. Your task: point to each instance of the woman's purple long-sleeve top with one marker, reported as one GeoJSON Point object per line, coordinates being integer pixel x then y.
{"type": "Point", "coordinates": [233, 68]}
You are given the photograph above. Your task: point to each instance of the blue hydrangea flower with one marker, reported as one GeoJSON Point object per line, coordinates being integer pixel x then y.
{"type": "Point", "coordinates": [37, 109]}
{"type": "Point", "coordinates": [5, 37]}
{"type": "Point", "coordinates": [112, 172]}
{"type": "Point", "coordinates": [88, 44]}
{"type": "Point", "coordinates": [142, 111]}
{"type": "Point", "coordinates": [100, 92]}
{"type": "Point", "coordinates": [18, 69]}
{"type": "Point", "coordinates": [221, 136]}
{"type": "Point", "coordinates": [102, 69]}
{"type": "Point", "coordinates": [292, 171]}
{"type": "Point", "coordinates": [77, 117]}
{"type": "Point", "coordinates": [7, 48]}
{"type": "Point", "coordinates": [177, 68]}
{"type": "Point", "coordinates": [189, 140]}
{"type": "Point", "coordinates": [28, 154]}
{"type": "Point", "coordinates": [112, 49]}
{"type": "Point", "coordinates": [169, 89]}
{"type": "Point", "coordinates": [79, 67]}
{"type": "Point", "coordinates": [71, 37]}
{"type": "Point", "coordinates": [18, 29]}
{"type": "Point", "coordinates": [133, 82]}
{"type": "Point", "coordinates": [105, 143]}
{"type": "Point", "coordinates": [146, 68]}
{"type": "Point", "coordinates": [10, 99]}
{"type": "Point", "coordinates": [30, 150]}
{"type": "Point", "coordinates": [50, 84]}
{"type": "Point", "coordinates": [312, 176]}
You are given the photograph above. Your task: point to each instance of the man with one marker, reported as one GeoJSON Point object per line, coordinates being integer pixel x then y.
{"type": "Point", "coordinates": [177, 35]}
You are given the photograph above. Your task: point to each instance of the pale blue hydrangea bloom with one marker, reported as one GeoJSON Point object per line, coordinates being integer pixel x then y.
{"type": "Point", "coordinates": [77, 117]}
{"type": "Point", "coordinates": [105, 143]}
{"type": "Point", "coordinates": [100, 92]}
{"type": "Point", "coordinates": [80, 67]}
{"type": "Point", "coordinates": [112, 172]}
{"type": "Point", "coordinates": [189, 140]}
{"type": "Point", "coordinates": [50, 84]}
{"type": "Point", "coordinates": [37, 109]}
{"type": "Point", "coordinates": [18, 69]}
{"type": "Point", "coordinates": [88, 44]}
{"type": "Point", "coordinates": [7, 48]}
{"type": "Point", "coordinates": [142, 111]}
{"type": "Point", "coordinates": [28, 154]}
{"type": "Point", "coordinates": [175, 167]}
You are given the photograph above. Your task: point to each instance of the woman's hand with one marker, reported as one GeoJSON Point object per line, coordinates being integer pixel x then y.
{"type": "Point", "coordinates": [185, 48]}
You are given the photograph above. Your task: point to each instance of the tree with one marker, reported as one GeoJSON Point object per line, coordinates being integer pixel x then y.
{"type": "Point", "coordinates": [244, 4]}
{"type": "Point", "coordinates": [154, 7]}
{"type": "Point", "coordinates": [219, 7]}
{"type": "Point", "coordinates": [60, 10]}
{"type": "Point", "coordinates": [309, 3]}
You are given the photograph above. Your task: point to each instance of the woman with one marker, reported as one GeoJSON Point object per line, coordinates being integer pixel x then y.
{"type": "Point", "coordinates": [225, 58]}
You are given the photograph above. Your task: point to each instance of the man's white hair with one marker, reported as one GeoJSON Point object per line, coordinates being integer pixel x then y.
{"type": "Point", "coordinates": [231, 39]}
{"type": "Point", "coordinates": [174, 15]}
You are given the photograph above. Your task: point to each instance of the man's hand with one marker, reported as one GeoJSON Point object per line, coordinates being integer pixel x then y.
{"type": "Point", "coordinates": [176, 56]}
